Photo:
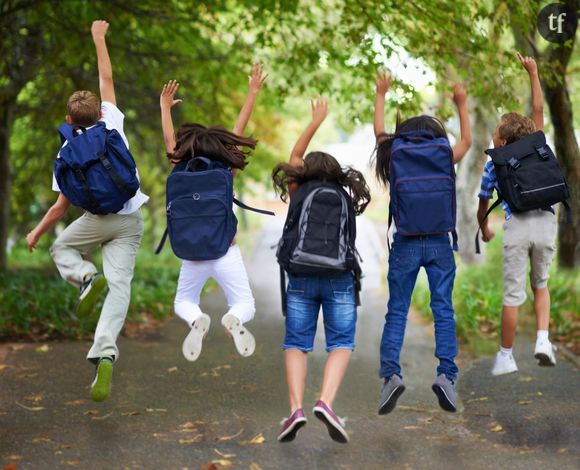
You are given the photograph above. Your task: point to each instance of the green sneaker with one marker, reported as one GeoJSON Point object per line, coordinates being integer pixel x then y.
{"type": "Point", "coordinates": [101, 386]}
{"type": "Point", "coordinates": [91, 289]}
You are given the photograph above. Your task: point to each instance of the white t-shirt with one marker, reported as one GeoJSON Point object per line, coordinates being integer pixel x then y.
{"type": "Point", "coordinates": [113, 119]}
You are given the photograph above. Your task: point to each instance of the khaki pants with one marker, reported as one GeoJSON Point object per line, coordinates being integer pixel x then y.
{"type": "Point", "coordinates": [528, 237]}
{"type": "Point", "coordinates": [119, 237]}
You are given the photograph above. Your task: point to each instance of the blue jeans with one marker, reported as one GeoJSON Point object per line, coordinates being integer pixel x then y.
{"type": "Point", "coordinates": [306, 295]}
{"type": "Point", "coordinates": [408, 254]}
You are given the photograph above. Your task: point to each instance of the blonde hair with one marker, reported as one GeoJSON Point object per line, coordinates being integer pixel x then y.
{"type": "Point", "coordinates": [514, 126]}
{"type": "Point", "coordinates": [83, 107]}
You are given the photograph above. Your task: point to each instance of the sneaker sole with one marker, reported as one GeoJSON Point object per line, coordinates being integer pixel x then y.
{"type": "Point", "coordinates": [391, 401]}
{"type": "Point", "coordinates": [545, 360]}
{"type": "Point", "coordinates": [86, 304]}
{"type": "Point", "coordinates": [243, 339]}
{"type": "Point", "coordinates": [335, 433]}
{"type": "Point", "coordinates": [192, 343]}
{"type": "Point", "coordinates": [444, 401]}
{"type": "Point", "coordinates": [101, 388]}
{"type": "Point", "coordinates": [290, 433]}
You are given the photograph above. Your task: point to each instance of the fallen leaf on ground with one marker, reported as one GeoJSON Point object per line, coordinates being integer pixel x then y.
{"type": "Point", "coordinates": [36, 398]}
{"type": "Point", "coordinates": [151, 410]}
{"type": "Point", "coordinates": [233, 436]}
{"type": "Point", "coordinates": [225, 456]}
{"type": "Point", "coordinates": [41, 440]}
{"type": "Point", "coordinates": [172, 369]}
{"type": "Point", "coordinates": [44, 348]}
{"type": "Point", "coordinates": [91, 413]}
{"type": "Point", "coordinates": [75, 402]}
{"type": "Point", "coordinates": [526, 378]}
{"type": "Point", "coordinates": [539, 394]}
{"type": "Point", "coordinates": [191, 440]}
{"type": "Point", "coordinates": [102, 417]}
{"type": "Point", "coordinates": [411, 427]}
{"type": "Point", "coordinates": [222, 463]}
{"type": "Point", "coordinates": [17, 347]}
{"type": "Point", "coordinates": [210, 466]}
{"type": "Point", "coordinates": [255, 466]}
{"type": "Point", "coordinates": [497, 428]}
{"type": "Point", "coordinates": [30, 408]}
{"type": "Point", "coordinates": [10, 466]}
{"type": "Point", "coordinates": [131, 413]}
{"type": "Point", "coordinates": [14, 457]}
{"type": "Point", "coordinates": [524, 402]}
{"type": "Point", "coordinates": [4, 366]}
{"type": "Point", "coordinates": [561, 450]}
{"type": "Point", "coordinates": [259, 439]}
{"type": "Point", "coordinates": [73, 462]}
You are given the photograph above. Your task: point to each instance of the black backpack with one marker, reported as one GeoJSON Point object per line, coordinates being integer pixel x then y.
{"type": "Point", "coordinates": [319, 234]}
{"type": "Point", "coordinates": [529, 177]}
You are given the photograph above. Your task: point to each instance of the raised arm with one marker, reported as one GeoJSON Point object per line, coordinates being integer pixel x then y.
{"type": "Point", "coordinates": [106, 85]}
{"type": "Point", "coordinates": [167, 101]}
{"type": "Point", "coordinates": [460, 100]}
{"type": "Point", "coordinates": [537, 98]}
{"type": "Point", "coordinates": [319, 113]}
{"type": "Point", "coordinates": [383, 83]}
{"type": "Point", "coordinates": [256, 80]}
{"type": "Point", "coordinates": [52, 216]}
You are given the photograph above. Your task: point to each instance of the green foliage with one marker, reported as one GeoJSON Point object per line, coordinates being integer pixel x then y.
{"type": "Point", "coordinates": [477, 298]}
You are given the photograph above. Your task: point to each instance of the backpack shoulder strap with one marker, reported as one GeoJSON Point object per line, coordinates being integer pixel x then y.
{"type": "Point", "coordinates": [283, 291]}
{"type": "Point", "coordinates": [162, 242]}
{"type": "Point", "coordinates": [239, 203]}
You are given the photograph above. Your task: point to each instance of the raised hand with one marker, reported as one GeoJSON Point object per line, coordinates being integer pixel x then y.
{"type": "Point", "coordinates": [528, 63]}
{"type": "Point", "coordinates": [459, 96]}
{"type": "Point", "coordinates": [99, 29]}
{"type": "Point", "coordinates": [319, 109]}
{"type": "Point", "coordinates": [383, 82]}
{"type": "Point", "coordinates": [167, 98]}
{"type": "Point", "coordinates": [257, 78]}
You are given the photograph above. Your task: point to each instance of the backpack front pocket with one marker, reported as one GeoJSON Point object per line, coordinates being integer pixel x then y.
{"type": "Point", "coordinates": [199, 227]}
{"type": "Point", "coordinates": [425, 206]}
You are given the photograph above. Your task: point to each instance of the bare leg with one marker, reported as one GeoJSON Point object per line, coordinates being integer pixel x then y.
{"type": "Point", "coordinates": [296, 366]}
{"type": "Point", "coordinates": [334, 371]}
{"type": "Point", "coordinates": [509, 320]}
{"type": "Point", "coordinates": [542, 307]}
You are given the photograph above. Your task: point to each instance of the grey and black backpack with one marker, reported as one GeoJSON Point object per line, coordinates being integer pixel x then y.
{"type": "Point", "coordinates": [319, 234]}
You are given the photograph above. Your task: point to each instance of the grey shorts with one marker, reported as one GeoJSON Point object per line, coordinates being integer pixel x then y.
{"type": "Point", "coordinates": [527, 236]}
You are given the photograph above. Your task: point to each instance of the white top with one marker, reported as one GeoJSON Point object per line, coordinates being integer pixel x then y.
{"type": "Point", "coordinates": [113, 119]}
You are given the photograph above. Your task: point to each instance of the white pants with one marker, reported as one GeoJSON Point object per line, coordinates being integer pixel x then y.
{"type": "Point", "coordinates": [229, 272]}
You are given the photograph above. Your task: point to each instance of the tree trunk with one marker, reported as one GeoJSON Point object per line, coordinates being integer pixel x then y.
{"type": "Point", "coordinates": [468, 182]}
{"type": "Point", "coordinates": [6, 120]}
{"type": "Point", "coordinates": [568, 154]}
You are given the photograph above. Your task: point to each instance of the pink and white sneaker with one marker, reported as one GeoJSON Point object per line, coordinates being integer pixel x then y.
{"type": "Point", "coordinates": [334, 424]}
{"type": "Point", "coordinates": [291, 426]}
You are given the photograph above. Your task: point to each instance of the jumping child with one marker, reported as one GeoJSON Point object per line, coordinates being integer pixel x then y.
{"type": "Point", "coordinates": [193, 146]}
{"type": "Point", "coordinates": [317, 249]}
{"type": "Point", "coordinates": [417, 163]}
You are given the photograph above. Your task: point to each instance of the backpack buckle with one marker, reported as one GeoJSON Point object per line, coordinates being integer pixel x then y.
{"type": "Point", "coordinates": [543, 153]}
{"type": "Point", "coordinates": [514, 163]}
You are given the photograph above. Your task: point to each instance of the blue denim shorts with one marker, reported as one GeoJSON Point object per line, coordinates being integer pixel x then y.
{"type": "Point", "coordinates": [336, 296]}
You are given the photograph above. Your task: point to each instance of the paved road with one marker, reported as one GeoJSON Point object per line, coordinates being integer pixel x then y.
{"type": "Point", "coordinates": [166, 413]}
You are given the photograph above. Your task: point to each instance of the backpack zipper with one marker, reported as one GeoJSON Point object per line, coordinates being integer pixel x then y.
{"type": "Point", "coordinates": [541, 189]}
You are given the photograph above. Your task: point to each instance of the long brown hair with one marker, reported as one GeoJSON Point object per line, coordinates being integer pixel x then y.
{"type": "Point", "coordinates": [324, 167]}
{"type": "Point", "coordinates": [216, 143]}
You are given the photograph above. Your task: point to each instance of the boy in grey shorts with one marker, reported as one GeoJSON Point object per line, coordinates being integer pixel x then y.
{"type": "Point", "coordinates": [527, 236]}
{"type": "Point", "coordinates": [118, 235]}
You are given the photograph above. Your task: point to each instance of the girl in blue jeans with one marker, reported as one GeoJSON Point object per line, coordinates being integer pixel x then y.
{"type": "Point", "coordinates": [409, 253]}
{"type": "Point", "coordinates": [306, 294]}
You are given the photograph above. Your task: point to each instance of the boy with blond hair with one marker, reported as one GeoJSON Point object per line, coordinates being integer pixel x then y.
{"type": "Point", "coordinates": [117, 231]}
{"type": "Point", "coordinates": [528, 236]}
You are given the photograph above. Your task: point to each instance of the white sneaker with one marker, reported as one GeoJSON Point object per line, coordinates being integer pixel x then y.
{"type": "Point", "coordinates": [192, 344]}
{"type": "Point", "coordinates": [243, 339]}
{"type": "Point", "coordinates": [504, 364]}
{"type": "Point", "coordinates": [544, 353]}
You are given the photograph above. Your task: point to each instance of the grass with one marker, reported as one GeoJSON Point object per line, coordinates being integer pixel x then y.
{"type": "Point", "coordinates": [477, 299]}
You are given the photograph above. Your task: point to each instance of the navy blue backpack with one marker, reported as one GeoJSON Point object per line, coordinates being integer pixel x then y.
{"type": "Point", "coordinates": [95, 170]}
{"type": "Point", "coordinates": [201, 223]}
{"type": "Point", "coordinates": [422, 185]}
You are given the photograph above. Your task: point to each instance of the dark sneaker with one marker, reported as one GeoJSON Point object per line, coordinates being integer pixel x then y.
{"type": "Point", "coordinates": [291, 426]}
{"type": "Point", "coordinates": [334, 424]}
{"type": "Point", "coordinates": [101, 387]}
{"type": "Point", "coordinates": [191, 347]}
{"type": "Point", "coordinates": [445, 391]}
{"type": "Point", "coordinates": [91, 289]}
{"type": "Point", "coordinates": [392, 389]}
